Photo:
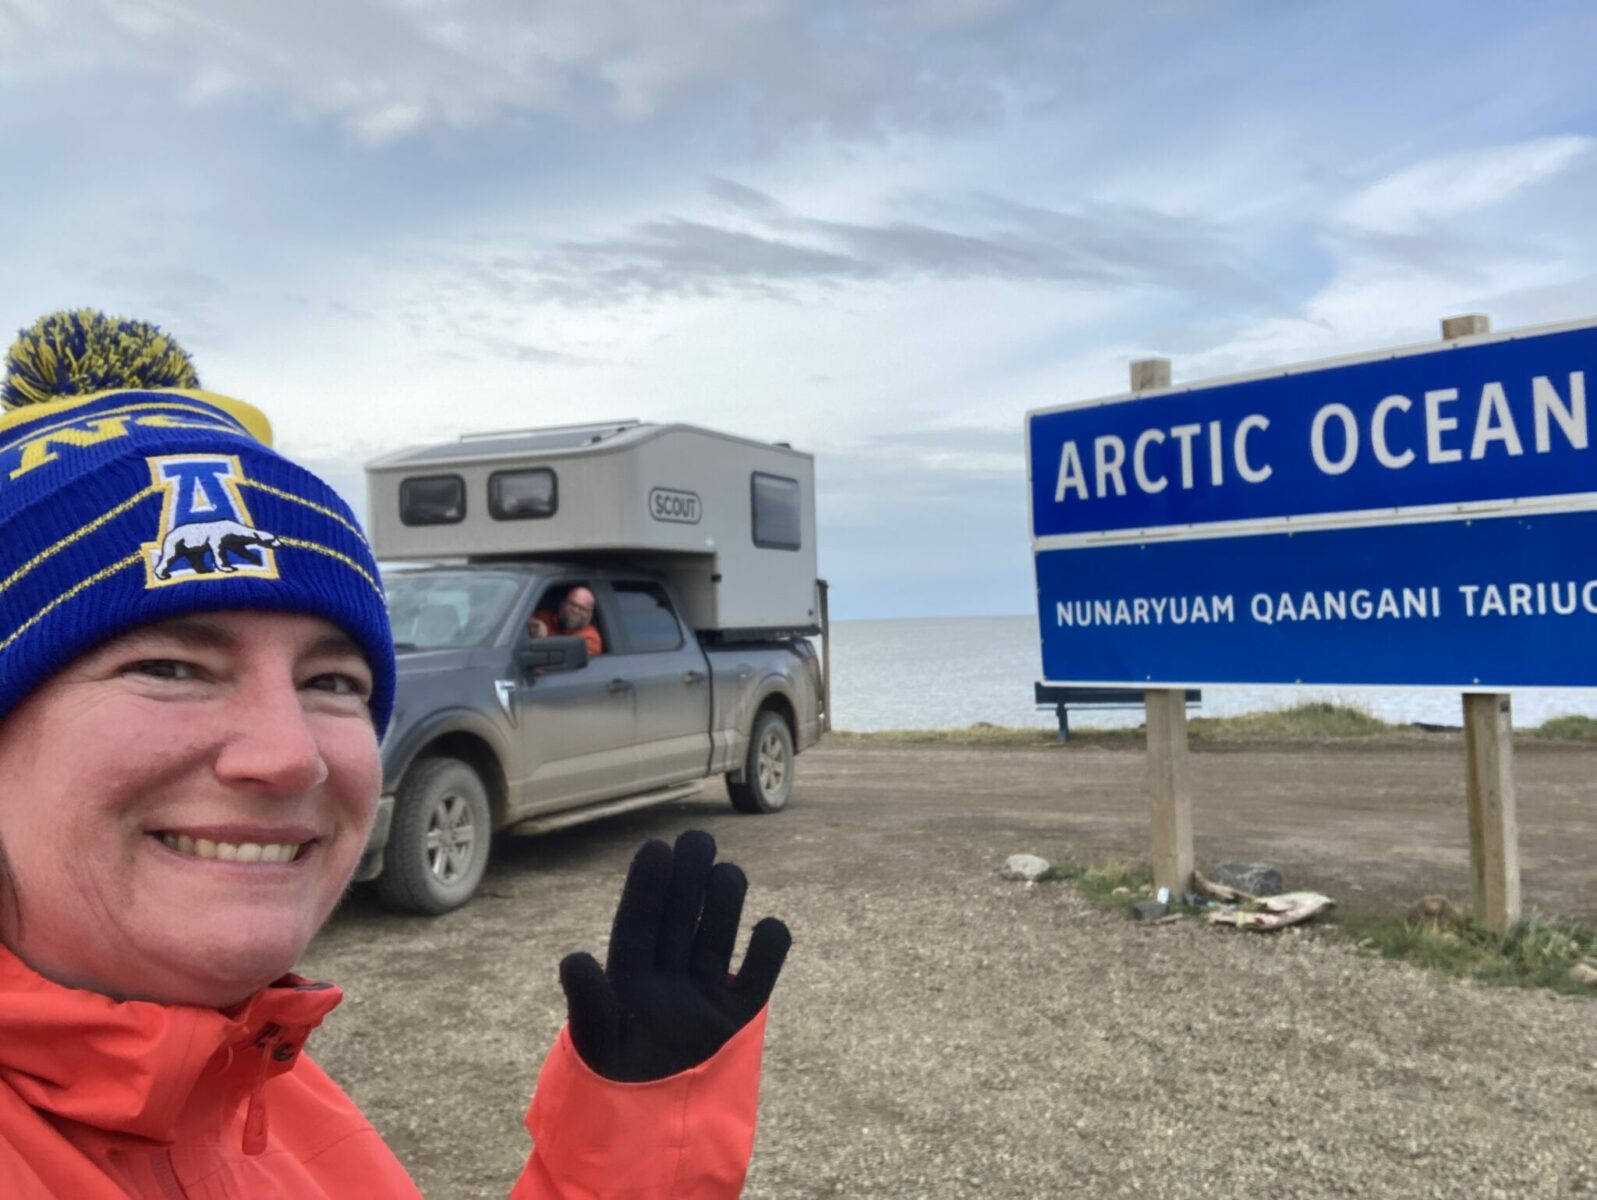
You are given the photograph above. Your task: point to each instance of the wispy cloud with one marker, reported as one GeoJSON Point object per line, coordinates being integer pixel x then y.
{"type": "Point", "coordinates": [676, 256]}
{"type": "Point", "coordinates": [472, 346]}
{"type": "Point", "coordinates": [1431, 193]}
{"type": "Point", "coordinates": [385, 69]}
{"type": "Point", "coordinates": [747, 199]}
{"type": "Point", "coordinates": [767, 248]}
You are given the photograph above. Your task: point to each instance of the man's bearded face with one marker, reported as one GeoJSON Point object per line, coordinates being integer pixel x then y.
{"type": "Point", "coordinates": [574, 614]}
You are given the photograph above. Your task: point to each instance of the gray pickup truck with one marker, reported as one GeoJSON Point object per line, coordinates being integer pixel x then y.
{"type": "Point", "coordinates": [497, 730]}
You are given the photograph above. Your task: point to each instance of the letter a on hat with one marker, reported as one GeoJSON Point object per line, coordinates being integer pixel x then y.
{"type": "Point", "coordinates": [206, 530]}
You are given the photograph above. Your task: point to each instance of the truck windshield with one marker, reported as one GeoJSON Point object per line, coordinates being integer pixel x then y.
{"type": "Point", "coordinates": [434, 610]}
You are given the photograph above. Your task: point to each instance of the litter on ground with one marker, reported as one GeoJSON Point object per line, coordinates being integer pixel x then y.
{"type": "Point", "coordinates": [1270, 912]}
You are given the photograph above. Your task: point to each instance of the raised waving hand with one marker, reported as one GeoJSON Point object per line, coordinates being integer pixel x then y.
{"type": "Point", "coordinates": [666, 999]}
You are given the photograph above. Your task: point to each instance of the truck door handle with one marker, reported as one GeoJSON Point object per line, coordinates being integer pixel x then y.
{"type": "Point", "coordinates": [618, 685]}
{"type": "Point", "coordinates": [693, 677]}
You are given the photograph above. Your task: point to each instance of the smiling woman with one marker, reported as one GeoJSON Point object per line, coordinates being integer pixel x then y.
{"type": "Point", "coordinates": [196, 668]}
{"type": "Point", "coordinates": [172, 892]}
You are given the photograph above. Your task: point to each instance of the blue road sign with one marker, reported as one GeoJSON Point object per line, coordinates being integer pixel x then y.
{"type": "Point", "coordinates": [1484, 604]}
{"type": "Point", "coordinates": [1419, 518]}
{"type": "Point", "coordinates": [1466, 424]}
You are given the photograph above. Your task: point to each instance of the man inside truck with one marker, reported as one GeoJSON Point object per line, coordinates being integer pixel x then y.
{"type": "Point", "coordinates": [573, 619]}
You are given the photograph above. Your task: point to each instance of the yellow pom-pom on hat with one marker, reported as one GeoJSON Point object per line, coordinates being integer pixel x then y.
{"type": "Point", "coordinates": [68, 357]}
{"type": "Point", "coordinates": [82, 351]}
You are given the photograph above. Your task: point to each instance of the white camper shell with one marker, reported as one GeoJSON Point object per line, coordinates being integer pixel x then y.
{"type": "Point", "coordinates": [729, 521]}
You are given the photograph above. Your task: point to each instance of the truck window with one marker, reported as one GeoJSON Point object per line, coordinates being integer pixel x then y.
{"type": "Point", "coordinates": [776, 511]}
{"type": "Point", "coordinates": [551, 609]}
{"type": "Point", "coordinates": [432, 610]}
{"type": "Point", "coordinates": [432, 500]}
{"type": "Point", "coordinates": [648, 618]}
{"type": "Point", "coordinates": [522, 495]}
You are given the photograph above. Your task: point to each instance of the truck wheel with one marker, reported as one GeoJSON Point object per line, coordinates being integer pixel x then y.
{"type": "Point", "coordinates": [438, 844]}
{"type": "Point", "coordinates": [767, 775]}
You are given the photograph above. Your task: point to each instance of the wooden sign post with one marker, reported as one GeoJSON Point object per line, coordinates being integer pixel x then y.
{"type": "Point", "coordinates": [1169, 793]}
{"type": "Point", "coordinates": [1489, 769]}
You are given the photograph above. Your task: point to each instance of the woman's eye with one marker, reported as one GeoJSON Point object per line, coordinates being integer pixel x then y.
{"type": "Point", "coordinates": [343, 685]}
{"type": "Point", "coordinates": [163, 668]}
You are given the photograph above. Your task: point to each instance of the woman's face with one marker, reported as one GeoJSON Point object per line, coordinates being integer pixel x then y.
{"type": "Point", "coordinates": [181, 808]}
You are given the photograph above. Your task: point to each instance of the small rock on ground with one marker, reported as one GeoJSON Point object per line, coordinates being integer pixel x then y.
{"type": "Point", "coordinates": [1025, 866]}
{"type": "Point", "coordinates": [1257, 879]}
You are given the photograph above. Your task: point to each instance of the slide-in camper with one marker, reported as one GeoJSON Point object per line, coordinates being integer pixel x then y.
{"type": "Point", "coordinates": [697, 551]}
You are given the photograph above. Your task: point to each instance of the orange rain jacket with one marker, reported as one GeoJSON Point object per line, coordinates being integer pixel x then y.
{"type": "Point", "coordinates": [107, 1099]}
{"type": "Point", "coordinates": [588, 633]}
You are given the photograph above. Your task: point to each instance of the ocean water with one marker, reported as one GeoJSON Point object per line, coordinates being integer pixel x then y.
{"type": "Point", "coordinates": [950, 672]}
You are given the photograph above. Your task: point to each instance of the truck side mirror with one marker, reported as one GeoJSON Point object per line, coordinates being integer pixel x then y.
{"type": "Point", "coordinates": [543, 655]}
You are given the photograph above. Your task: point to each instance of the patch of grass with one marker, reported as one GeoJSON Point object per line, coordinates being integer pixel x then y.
{"type": "Point", "coordinates": [1537, 952]}
{"type": "Point", "coordinates": [1098, 883]}
{"type": "Point", "coordinates": [1314, 719]}
{"type": "Point", "coordinates": [1567, 729]}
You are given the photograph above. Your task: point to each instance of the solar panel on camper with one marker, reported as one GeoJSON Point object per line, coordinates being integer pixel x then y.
{"type": "Point", "coordinates": [521, 443]}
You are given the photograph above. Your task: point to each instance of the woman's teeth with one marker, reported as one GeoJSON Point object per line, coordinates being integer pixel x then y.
{"type": "Point", "coordinates": [275, 852]}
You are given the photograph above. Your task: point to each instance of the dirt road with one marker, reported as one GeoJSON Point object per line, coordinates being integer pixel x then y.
{"type": "Point", "coordinates": [940, 1033]}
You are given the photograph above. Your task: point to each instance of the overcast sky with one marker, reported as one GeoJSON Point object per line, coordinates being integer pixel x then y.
{"type": "Point", "coordinates": [881, 231]}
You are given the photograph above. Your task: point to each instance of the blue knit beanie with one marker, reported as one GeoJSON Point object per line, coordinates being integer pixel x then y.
{"type": "Point", "coordinates": [128, 495]}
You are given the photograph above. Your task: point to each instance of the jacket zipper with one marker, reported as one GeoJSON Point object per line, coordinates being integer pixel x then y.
{"type": "Point", "coordinates": [166, 1176]}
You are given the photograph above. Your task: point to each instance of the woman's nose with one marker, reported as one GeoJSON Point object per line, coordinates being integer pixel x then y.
{"type": "Point", "coordinates": [270, 744]}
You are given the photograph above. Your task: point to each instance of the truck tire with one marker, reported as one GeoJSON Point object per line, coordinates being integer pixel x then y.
{"type": "Point", "coordinates": [766, 781]}
{"type": "Point", "coordinates": [439, 841]}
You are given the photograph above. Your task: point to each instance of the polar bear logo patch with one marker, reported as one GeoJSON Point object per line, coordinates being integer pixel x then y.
{"type": "Point", "coordinates": [206, 547]}
{"type": "Point", "coordinates": [206, 528]}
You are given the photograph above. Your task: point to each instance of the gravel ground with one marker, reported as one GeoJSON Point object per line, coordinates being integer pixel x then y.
{"type": "Point", "coordinates": [940, 1033]}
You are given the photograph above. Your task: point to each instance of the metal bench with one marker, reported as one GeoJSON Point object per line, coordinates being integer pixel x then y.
{"type": "Point", "coordinates": [1062, 699]}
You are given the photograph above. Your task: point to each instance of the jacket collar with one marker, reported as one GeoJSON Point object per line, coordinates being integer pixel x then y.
{"type": "Point", "coordinates": [143, 1069]}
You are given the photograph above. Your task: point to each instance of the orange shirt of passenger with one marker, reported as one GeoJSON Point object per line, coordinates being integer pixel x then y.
{"type": "Point", "coordinates": [588, 633]}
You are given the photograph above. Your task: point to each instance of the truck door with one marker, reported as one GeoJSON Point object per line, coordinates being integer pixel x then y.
{"type": "Point", "coordinates": [577, 727]}
{"type": "Point", "coordinates": [670, 679]}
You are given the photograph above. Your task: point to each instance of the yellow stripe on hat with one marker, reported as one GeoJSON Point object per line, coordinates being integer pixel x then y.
{"type": "Point", "coordinates": [76, 589]}
{"type": "Point", "coordinates": [247, 415]}
{"type": "Point", "coordinates": [137, 558]}
{"type": "Point", "coordinates": [25, 420]}
{"type": "Point", "coordinates": [58, 427]}
{"type": "Point", "coordinates": [81, 532]}
{"type": "Point", "coordinates": [310, 504]}
{"type": "Point", "coordinates": [349, 562]}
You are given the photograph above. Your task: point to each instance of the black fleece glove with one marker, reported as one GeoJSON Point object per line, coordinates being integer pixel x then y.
{"type": "Point", "coordinates": [664, 1001]}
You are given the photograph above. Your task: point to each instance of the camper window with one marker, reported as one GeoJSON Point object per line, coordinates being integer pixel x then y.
{"type": "Point", "coordinates": [522, 495]}
{"type": "Point", "coordinates": [647, 617]}
{"type": "Point", "coordinates": [432, 500]}
{"type": "Point", "coordinates": [776, 511]}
